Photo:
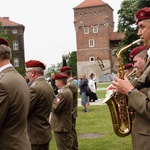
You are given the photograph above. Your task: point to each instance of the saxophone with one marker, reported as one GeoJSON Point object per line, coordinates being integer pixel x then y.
{"type": "Point", "coordinates": [118, 103]}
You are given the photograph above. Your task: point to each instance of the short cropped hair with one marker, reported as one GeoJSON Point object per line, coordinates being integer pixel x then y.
{"type": "Point", "coordinates": [5, 52]}
{"type": "Point", "coordinates": [36, 69]}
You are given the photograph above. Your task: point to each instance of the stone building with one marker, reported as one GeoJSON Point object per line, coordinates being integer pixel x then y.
{"type": "Point", "coordinates": [95, 39]}
{"type": "Point", "coordinates": [14, 33]}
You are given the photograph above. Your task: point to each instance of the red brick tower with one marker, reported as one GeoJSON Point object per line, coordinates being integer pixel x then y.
{"type": "Point", "coordinates": [93, 22]}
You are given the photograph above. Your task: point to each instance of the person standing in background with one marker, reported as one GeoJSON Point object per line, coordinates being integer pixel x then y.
{"type": "Point", "coordinates": [73, 87]}
{"type": "Point", "coordinates": [52, 81]}
{"type": "Point", "coordinates": [61, 119]}
{"type": "Point", "coordinates": [76, 81]}
{"type": "Point", "coordinates": [41, 98]}
{"type": "Point", "coordinates": [14, 104]}
{"type": "Point", "coordinates": [92, 85]}
{"type": "Point", "coordinates": [82, 85]}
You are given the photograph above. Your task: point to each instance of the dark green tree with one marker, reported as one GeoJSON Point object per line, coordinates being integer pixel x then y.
{"type": "Point", "coordinates": [127, 26]}
{"type": "Point", "coordinates": [126, 23]}
{"type": "Point", "coordinates": [53, 68]}
{"type": "Point", "coordinates": [2, 35]}
{"type": "Point", "coordinates": [73, 62]}
{"type": "Point", "coordinates": [143, 3]}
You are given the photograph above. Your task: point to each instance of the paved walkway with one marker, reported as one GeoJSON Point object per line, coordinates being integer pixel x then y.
{"type": "Point", "coordinates": [97, 102]}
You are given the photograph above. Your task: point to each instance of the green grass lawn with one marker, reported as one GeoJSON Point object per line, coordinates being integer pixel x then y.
{"type": "Point", "coordinates": [97, 121]}
{"type": "Point", "coordinates": [103, 85]}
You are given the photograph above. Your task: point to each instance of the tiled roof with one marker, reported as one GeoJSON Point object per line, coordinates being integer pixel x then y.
{"type": "Point", "coordinates": [89, 3]}
{"type": "Point", "coordinates": [6, 22]}
{"type": "Point", "coordinates": [116, 36]}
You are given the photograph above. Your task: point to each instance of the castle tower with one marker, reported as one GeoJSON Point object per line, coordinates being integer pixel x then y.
{"type": "Point", "coordinates": [93, 22]}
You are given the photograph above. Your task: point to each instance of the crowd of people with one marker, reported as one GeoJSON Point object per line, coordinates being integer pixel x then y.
{"type": "Point", "coordinates": [31, 111]}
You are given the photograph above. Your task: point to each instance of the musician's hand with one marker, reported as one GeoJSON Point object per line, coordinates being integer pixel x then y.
{"type": "Point", "coordinates": [121, 86]}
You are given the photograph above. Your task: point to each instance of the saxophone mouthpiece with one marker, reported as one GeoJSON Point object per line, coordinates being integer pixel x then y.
{"type": "Point", "coordinates": [137, 42]}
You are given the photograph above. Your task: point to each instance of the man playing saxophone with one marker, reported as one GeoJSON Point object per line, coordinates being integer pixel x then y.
{"type": "Point", "coordinates": [139, 96]}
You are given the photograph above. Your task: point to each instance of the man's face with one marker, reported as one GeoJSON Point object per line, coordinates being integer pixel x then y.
{"type": "Point", "coordinates": [58, 83]}
{"type": "Point", "coordinates": [52, 75]}
{"type": "Point", "coordinates": [139, 63]}
{"type": "Point", "coordinates": [144, 32]}
{"type": "Point", "coordinates": [29, 75]}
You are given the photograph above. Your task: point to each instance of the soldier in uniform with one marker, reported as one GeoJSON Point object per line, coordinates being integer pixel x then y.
{"type": "Point", "coordinates": [41, 98]}
{"type": "Point", "coordinates": [73, 87]}
{"type": "Point", "coordinates": [61, 121]}
{"type": "Point", "coordinates": [138, 58]}
{"type": "Point", "coordinates": [139, 97]}
{"type": "Point", "coordinates": [128, 68]}
{"type": "Point", "coordinates": [14, 104]}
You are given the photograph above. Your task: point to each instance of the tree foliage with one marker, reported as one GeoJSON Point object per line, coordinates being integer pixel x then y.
{"type": "Point", "coordinates": [126, 23]}
{"type": "Point", "coordinates": [143, 3]}
{"type": "Point", "coordinates": [2, 35]}
{"type": "Point", "coordinates": [73, 63]}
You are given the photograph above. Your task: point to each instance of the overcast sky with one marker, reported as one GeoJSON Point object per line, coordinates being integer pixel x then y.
{"type": "Point", "coordinates": [49, 29]}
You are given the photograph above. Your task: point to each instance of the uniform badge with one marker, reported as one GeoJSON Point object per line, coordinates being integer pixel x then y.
{"type": "Point", "coordinates": [58, 100]}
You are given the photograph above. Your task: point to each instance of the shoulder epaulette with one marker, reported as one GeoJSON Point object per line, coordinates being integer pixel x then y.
{"type": "Point", "coordinates": [1, 75]}
{"type": "Point", "coordinates": [34, 84]}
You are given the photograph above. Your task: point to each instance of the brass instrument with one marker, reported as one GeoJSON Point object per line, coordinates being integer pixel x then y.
{"type": "Point", "coordinates": [132, 74]}
{"type": "Point", "coordinates": [101, 64]}
{"type": "Point", "coordinates": [117, 102]}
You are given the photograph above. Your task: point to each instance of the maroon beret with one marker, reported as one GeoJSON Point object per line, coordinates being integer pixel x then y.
{"type": "Point", "coordinates": [65, 68]}
{"type": "Point", "coordinates": [128, 66]}
{"type": "Point", "coordinates": [136, 51]}
{"type": "Point", "coordinates": [34, 63]}
{"type": "Point", "coordinates": [3, 41]}
{"type": "Point", "coordinates": [142, 14]}
{"type": "Point", "coordinates": [60, 76]}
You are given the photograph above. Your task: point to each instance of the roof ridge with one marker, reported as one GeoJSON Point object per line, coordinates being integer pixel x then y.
{"type": "Point", "coordinates": [6, 22]}
{"type": "Point", "coordinates": [89, 3]}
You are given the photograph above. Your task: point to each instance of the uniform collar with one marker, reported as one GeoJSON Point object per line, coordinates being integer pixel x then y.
{"type": "Point", "coordinates": [148, 53]}
{"type": "Point", "coordinates": [4, 67]}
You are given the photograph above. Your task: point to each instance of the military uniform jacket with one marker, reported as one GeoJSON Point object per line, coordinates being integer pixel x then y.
{"type": "Point", "coordinates": [73, 87]}
{"type": "Point", "coordinates": [14, 105]}
{"type": "Point", "coordinates": [41, 98]}
{"type": "Point", "coordinates": [61, 110]}
{"type": "Point", "coordinates": [139, 100]}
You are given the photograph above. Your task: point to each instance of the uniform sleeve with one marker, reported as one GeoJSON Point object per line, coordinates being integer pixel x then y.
{"type": "Point", "coordinates": [33, 97]}
{"type": "Point", "coordinates": [4, 104]}
{"type": "Point", "coordinates": [58, 103]}
{"type": "Point", "coordinates": [140, 102]}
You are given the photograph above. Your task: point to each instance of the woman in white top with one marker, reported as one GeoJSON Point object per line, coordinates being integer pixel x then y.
{"type": "Point", "coordinates": [92, 86]}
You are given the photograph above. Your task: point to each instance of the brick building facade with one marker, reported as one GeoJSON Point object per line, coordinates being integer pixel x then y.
{"type": "Point", "coordinates": [96, 41]}
{"type": "Point", "coordinates": [14, 33]}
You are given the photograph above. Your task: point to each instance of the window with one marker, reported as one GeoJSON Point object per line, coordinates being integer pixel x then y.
{"type": "Point", "coordinates": [92, 59]}
{"type": "Point", "coordinates": [91, 43]}
{"type": "Point", "coordinates": [15, 45]}
{"type": "Point", "coordinates": [95, 29]}
{"type": "Point", "coordinates": [86, 30]}
{"type": "Point", "coordinates": [16, 62]}
{"type": "Point", "coordinates": [5, 31]}
{"type": "Point", "coordinates": [14, 31]}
